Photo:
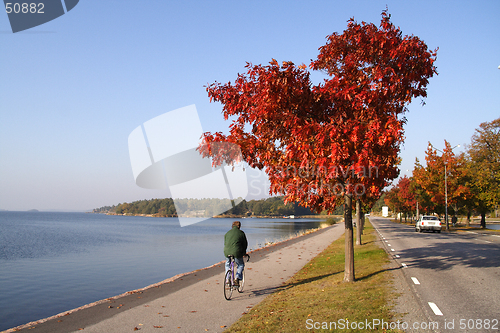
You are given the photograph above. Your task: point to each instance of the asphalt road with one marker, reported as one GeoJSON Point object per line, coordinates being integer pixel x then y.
{"type": "Point", "coordinates": [455, 276]}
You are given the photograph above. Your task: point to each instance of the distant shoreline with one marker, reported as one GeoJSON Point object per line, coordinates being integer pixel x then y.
{"type": "Point", "coordinates": [234, 216]}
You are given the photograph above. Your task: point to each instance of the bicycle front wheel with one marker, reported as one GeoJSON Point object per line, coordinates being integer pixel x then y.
{"type": "Point", "coordinates": [242, 282]}
{"type": "Point", "coordinates": [228, 285]}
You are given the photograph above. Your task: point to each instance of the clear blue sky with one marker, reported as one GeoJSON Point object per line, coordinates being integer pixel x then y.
{"type": "Point", "coordinates": [73, 89]}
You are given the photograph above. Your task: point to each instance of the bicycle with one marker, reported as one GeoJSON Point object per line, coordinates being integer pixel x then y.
{"type": "Point", "coordinates": [229, 277]}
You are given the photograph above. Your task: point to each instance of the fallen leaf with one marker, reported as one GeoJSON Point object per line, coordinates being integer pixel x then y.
{"type": "Point", "coordinates": [158, 326]}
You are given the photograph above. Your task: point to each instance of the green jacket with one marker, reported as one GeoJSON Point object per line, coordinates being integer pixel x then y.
{"type": "Point", "coordinates": [235, 243]}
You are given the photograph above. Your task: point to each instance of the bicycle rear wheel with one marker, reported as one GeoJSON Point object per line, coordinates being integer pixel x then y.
{"type": "Point", "coordinates": [228, 285]}
{"type": "Point", "coordinates": [242, 282]}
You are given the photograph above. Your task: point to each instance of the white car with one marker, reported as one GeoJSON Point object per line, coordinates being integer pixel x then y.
{"type": "Point", "coordinates": [428, 223]}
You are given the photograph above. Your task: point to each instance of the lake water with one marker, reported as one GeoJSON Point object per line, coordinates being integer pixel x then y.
{"type": "Point", "coordinates": [54, 262]}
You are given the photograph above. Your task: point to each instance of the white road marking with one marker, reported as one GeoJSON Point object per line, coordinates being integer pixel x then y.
{"type": "Point", "coordinates": [393, 250]}
{"type": "Point", "coordinates": [495, 236]}
{"type": "Point", "coordinates": [472, 232]}
{"type": "Point", "coordinates": [388, 244]}
{"type": "Point", "coordinates": [404, 265]}
{"type": "Point", "coordinates": [435, 308]}
{"type": "Point", "coordinates": [486, 241]}
{"type": "Point", "coordinates": [397, 256]}
{"type": "Point", "coordinates": [414, 279]}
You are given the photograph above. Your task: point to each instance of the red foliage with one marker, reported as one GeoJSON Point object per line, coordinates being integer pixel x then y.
{"type": "Point", "coordinates": [339, 137]}
{"type": "Point", "coordinates": [401, 197]}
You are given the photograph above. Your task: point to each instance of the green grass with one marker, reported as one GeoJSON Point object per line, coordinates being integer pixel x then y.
{"type": "Point", "coordinates": [317, 293]}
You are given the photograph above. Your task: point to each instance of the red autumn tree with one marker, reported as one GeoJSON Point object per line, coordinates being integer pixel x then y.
{"type": "Point", "coordinates": [409, 203]}
{"type": "Point", "coordinates": [392, 199]}
{"type": "Point", "coordinates": [401, 197]}
{"type": "Point", "coordinates": [319, 143]}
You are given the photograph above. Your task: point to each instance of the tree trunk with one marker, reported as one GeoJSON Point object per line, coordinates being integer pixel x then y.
{"type": "Point", "coordinates": [362, 222]}
{"type": "Point", "coordinates": [483, 220]}
{"type": "Point", "coordinates": [358, 222]}
{"type": "Point", "coordinates": [468, 219]}
{"type": "Point", "coordinates": [349, 246]}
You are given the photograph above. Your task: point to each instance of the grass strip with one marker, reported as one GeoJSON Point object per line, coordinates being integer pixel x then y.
{"type": "Point", "coordinates": [317, 294]}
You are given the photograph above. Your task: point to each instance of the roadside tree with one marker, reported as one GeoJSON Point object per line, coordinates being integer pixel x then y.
{"type": "Point", "coordinates": [483, 156]}
{"type": "Point", "coordinates": [431, 180]}
{"type": "Point", "coordinates": [392, 199]}
{"type": "Point", "coordinates": [337, 139]}
{"type": "Point", "coordinates": [406, 197]}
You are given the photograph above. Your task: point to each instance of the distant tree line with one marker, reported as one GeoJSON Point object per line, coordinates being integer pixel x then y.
{"type": "Point", "coordinates": [273, 206]}
{"type": "Point", "coordinates": [104, 209]}
{"type": "Point", "coordinates": [472, 179]}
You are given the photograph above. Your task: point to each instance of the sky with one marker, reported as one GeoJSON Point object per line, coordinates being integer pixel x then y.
{"type": "Point", "coordinates": [72, 90]}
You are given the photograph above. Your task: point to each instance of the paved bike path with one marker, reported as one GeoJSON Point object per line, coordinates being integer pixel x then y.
{"type": "Point", "coordinates": [195, 301]}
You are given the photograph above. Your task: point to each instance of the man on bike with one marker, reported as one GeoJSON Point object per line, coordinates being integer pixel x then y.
{"type": "Point", "coordinates": [235, 244]}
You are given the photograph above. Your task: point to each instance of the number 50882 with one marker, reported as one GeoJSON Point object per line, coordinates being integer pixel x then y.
{"type": "Point", "coordinates": [25, 8]}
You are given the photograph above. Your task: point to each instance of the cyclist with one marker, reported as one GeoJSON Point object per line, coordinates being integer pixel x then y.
{"type": "Point", "coordinates": [235, 244]}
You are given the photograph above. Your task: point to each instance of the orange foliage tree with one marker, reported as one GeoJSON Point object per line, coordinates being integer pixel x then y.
{"type": "Point", "coordinates": [430, 178]}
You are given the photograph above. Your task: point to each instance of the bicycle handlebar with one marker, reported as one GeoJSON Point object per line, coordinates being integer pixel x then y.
{"type": "Point", "coordinates": [245, 255]}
